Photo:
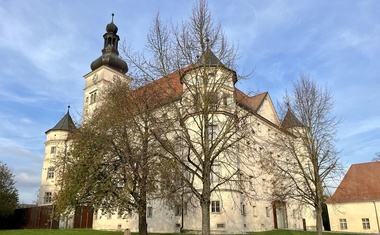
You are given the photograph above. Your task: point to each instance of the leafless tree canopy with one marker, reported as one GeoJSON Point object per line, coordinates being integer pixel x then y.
{"type": "Point", "coordinates": [309, 160]}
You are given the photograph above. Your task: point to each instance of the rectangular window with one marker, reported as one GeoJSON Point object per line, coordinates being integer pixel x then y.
{"type": "Point", "coordinates": [215, 206]}
{"type": "Point", "coordinates": [220, 225]}
{"type": "Point", "coordinates": [264, 185]}
{"type": "Point", "coordinates": [177, 210]}
{"type": "Point", "coordinates": [215, 172]}
{"type": "Point", "coordinates": [149, 212]}
{"type": "Point", "coordinates": [343, 224]}
{"type": "Point", "coordinates": [93, 97]}
{"type": "Point", "coordinates": [254, 211]}
{"type": "Point", "coordinates": [225, 99]}
{"type": "Point", "coordinates": [212, 98]}
{"type": "Point", "coordinates": [50, 173]}
{"type": "Point", "coordinates": [109, 215]}
{"type": "Point", "coordinates": [212, 132]}
{"type": "Point", "coordinates": [365, 222]}
{"type": "Point", "coordinates": [267, 211]}
{"type": "Point", "coordinates": [53, 149]}
{"type": "Point", "coordinates": [95, 214]}
{"type": "Point", "coordinates": [48, 197]}
{"type": "Point", "coordinates": [243, 209]}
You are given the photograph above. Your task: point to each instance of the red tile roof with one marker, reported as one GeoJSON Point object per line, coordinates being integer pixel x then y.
{"type": "Point", "coordinates": [361, 183]}
{"type": "Point", "coordinates": [250, 102]}
{"type": "Point", "coordinates": [170, 88]}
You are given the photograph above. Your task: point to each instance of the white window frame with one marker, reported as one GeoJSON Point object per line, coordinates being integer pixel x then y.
{"type": "Point", "coordinates": [48, 197]}
{"type": "Point", "coordinates": [149, 212]}
{"type": "Point", "coordinates": [366, 224]}
{"type": "Point", "coordinates": [215, 206]}
{"type": "Point", "coordinates": [50, 173]}
{"type": "Point", "coordinates": [343, 224]}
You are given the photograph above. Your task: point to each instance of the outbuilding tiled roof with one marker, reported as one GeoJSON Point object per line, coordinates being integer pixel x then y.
{"type": "Point", "coordinates": [361, 183]}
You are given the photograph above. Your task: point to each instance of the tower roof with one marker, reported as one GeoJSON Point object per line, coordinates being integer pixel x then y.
{"type": "Point", "coordinates": [209, 59]}
{"type": "Point", "coordinates": [290, 120]}
{"type": "Point", "coordinates": [110, 53]}
{"type": "Point", "coordinates": [65, 124]}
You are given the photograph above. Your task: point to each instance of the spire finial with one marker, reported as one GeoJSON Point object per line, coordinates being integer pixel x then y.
{"type": "Point", "coordinates": [208, 42]}
{"type": "Point", "coordinates": [68, 108]}
{"type": "Point", "coordinates": [112, 16]}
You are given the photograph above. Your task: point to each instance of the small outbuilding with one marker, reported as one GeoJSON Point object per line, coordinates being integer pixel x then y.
{"type": "Point", "coordinates": [354, 207]}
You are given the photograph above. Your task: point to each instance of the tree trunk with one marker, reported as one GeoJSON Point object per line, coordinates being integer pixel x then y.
{"type": "Point", "coordinates": [205, 205]}
{"type": "Point", "coordinates": [319, 219]}
{"type": "Point", "coordinates": [143, 228]}
{"type": "Point", "coordinates": [319, 201]}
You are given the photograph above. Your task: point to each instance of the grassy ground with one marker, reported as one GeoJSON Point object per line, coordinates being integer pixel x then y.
{"type": "Point", "coordinates": [96, 232]}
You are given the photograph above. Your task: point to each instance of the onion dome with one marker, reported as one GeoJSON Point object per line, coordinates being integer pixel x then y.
{"type": "Point", "coordinates": [110, 54]}
{"type": "Point", "coordinates": [111, 28]}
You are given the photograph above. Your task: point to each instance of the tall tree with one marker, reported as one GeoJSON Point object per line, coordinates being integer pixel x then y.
{"type": "Point", "coordinates": [203, 138]}
{"type": "Point", "coordinates": [112, 163]}
{"type": "Point", "coordinates": [8, 193]}
{"type": "Point", "coordinates": [307, 157]}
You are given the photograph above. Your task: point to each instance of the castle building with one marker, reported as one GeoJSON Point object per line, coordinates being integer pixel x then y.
{"type": "Point", "coordinates": [231, 211]}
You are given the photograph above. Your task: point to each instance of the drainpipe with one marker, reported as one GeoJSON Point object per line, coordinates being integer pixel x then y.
{"type": "Point", "coordinates": [182, 211]}
{"type": "Point", "coordinates": [377, 218]}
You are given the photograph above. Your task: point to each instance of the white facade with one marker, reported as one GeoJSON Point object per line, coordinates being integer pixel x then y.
{"type": "Point", "coordinates": [231, 211]}
{"type": "Point", "coordinates": [360, 217]}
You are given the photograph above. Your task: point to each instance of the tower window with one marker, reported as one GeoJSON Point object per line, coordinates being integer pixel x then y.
{"type": "Point", "coordinates": [93, 97]}
{"type": "Point", "coordinates": [50, 173]}
{"type": "Point", "coordinates": [53, 149]}
{"type": "Point", "coordinates": [48, 197]}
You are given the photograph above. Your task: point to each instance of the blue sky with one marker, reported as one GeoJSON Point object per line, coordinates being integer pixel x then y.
{"type": "Point", "coordinates": [47, 46]}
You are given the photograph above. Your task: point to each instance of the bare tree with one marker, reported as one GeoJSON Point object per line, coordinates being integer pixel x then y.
{"type": "Point", "coordinates": [205, 119]}
{"type": "Point", "coordinates": [112, 164]}
{"type": "Point", "coordinates": [377, 157]}
{"type": "Point", "coordinates": [307, 157]}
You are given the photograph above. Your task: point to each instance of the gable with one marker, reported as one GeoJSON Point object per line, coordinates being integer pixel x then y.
{"type": "Point", "coordinates": [267, 110]}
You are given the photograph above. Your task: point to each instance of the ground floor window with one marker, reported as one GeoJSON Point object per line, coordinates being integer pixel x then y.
{"type": "Point", "coordinates": [365, 222]}
{"type": "Point", "coordinates": [149, 212]}
{"type": "Point", "coordinates": [343, 224]}
{"type": "Point", "coordinates": [215, 206]}
{"type": "Point", "coordinates": [267, 211]}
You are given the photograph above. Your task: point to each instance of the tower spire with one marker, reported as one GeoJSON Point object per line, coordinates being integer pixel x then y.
{"type": "Point", "coordinates": [110, 53]}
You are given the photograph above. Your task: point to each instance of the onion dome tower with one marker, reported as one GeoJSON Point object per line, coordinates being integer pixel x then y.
{"type": "Point", "coordinates": [110, 53]}
{"type": "Point", "coordinates": [104, 70]}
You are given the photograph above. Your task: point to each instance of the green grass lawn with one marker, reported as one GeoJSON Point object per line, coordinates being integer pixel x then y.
{"type": "Point", "coordinates": [96, 232]}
